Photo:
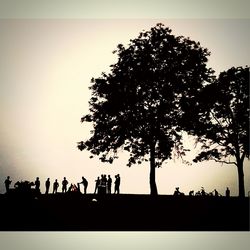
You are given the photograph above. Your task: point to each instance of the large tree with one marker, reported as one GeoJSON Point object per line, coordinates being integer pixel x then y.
{"type": "Point", "coordinates": [136, 107]}
{"type": "Point", "coordinates": [221, 120]}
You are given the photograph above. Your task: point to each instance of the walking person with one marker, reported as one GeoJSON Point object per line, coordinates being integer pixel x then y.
{"type": "Point", "coordinates": [64, 185]}
{"type": "Point", "coordinates": [55, 186]}
{"type": "Point", "coordinates": [47, 185]}
{"type": "Point", "coordinates": [7, 183]}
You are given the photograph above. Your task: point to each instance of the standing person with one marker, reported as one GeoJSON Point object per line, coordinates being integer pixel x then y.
{"type": "Point", "coordinates": [7, 183]}
{"type": "Point", "coordinates": [105, 181]}
{"type": "Point", "coordinates": [85, 184]}
{"type": "Point", "coordinates": [117, 183]}
{"type": "Point", "coordinates": [64, 185]}
{"type": "Point", "coordinates": [47, 185]}
{"type": "Point", "coordinates": [97, 184]}
{"type": "Point", "coordinates": [55, 186]}
{"type": "Point", "coordinates": [37, 185]}
{"type": "Point", "coordinates": [216, 194]}
{"type": "Point", "coordinates": [109, 184]}
{"type": "Point", "coordinates": [227, 192]}
{"type": "Point", "coordinates": [103, 185]}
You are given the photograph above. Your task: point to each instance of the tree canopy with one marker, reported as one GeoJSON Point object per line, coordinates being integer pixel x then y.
{"type": "Point", "coordinates": [138, 106]}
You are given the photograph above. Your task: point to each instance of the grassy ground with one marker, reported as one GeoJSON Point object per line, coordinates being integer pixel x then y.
{"type": "Point", "coordinates": [74, 212]}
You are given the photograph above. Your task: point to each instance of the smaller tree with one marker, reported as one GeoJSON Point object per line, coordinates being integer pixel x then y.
{"type": "Point", "coordinates": [221, 120]}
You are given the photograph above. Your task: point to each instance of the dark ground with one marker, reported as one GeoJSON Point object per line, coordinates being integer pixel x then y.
{"type": "Point", "coordinates": [74, 212]}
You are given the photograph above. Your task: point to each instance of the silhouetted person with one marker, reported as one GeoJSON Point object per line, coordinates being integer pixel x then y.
{"type": "Point", "coordinates": [191, 193]}
{"type": "Point", "coordinates": [55, 186]}
{"type": "Point", "coordinates": [227, 192]}
{"type": "Point", "coordinates": [103, 185]}
{"type": "Point", "coordinates": [97, 184]}
{"type": "Point", "coordinates": [117, 184]}
{"type": "Point", "coordinates": [85, 184]}
{"type": "Point", "coordinates": [198, 193]}
{"type": "Point", "coordinates": [109, 183]}
{"type": "Point", "coordinates": [216, 194]}
{"type": "Point", "coordinates": [7, 183]}
{"type": "Point", "coordinates": [203, 193]}
{"type": "Point", "coordinates": [177, 192]}
{"type": "Point", "coordinates": [64, 185]}
{"type": "Point", "coordinates": [47, 185]}
{"type": "Point", "coordinates": [37, 185]}
{"type": "Point", "coordinates": [104, 180]}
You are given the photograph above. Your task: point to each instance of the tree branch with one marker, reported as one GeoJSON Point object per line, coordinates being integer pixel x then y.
{"type": "Point", "coordinates": [226, 162]}
{"type": "Point", "coordinates": [223, 133]}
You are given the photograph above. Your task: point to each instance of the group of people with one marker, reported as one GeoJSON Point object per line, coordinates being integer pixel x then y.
{"type": "Point", "coordinates": [103, 185]}
{"type": "Point", "coordinates": [202, 192]}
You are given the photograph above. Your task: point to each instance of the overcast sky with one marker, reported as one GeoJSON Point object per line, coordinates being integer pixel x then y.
{"type": "Point", "coordinates": [45, 72]}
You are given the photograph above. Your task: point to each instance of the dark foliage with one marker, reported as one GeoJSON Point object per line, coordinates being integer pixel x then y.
{"type": "Point", "coordinates": [138, 106]}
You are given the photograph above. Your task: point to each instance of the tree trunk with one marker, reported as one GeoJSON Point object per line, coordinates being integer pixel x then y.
{"type": "Point", "coordinates": [241, 178]}
{"type": "Point", "coordinates": [153, 187]}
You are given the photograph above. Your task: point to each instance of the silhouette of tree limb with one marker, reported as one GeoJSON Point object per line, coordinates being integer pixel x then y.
{"type": "Point", "coordinates": [226, 162]}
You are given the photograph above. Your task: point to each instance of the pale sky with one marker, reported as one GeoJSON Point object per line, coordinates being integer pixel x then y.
{"type": "Point", "coordinates": [45, 72]}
